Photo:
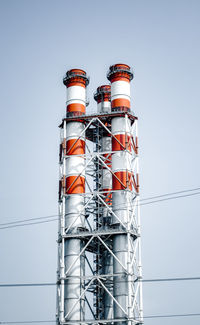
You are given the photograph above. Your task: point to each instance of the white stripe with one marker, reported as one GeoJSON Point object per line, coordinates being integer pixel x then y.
{"type": "Point", "coordinates": [74, 129]}
{"type": "Point", "coordinates": [121, 161]}
{"type": "Point", "coordinates": [120, 87]}
{"type": "Point", "coordinates": [119, 125]}
{"type": "Point", "coordinates": [76, 92]}
{"type": "Point", "coordinates": [75, 138]}
{"type": "Point", "coordinates": [104, 107]}
{"type": "Point", "coordinates": [75, 207]}
{"type": "Point", "coordinates": [107, 179]}
{"type": "Point", "coordinates": [75, 166]}
{"type": "Point", "coordinates": [76, 101]}
{"type": "Point", "coordinates": [106, 144]}
{"type": "Point", "coordinates": [120, 96]}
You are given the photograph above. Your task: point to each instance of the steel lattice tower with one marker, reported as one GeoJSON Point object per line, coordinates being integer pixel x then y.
{"type": "Point", "coordinates": [99, 246]}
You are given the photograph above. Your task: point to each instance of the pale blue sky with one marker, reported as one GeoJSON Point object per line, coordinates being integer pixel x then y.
{"type": "Point", "coordinates": [40, 41]}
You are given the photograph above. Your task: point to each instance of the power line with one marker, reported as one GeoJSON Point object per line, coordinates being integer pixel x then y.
{"type": "Point", "coordinates": [171, 198]}
{"type": "Point", "coordinates": [29, 322]}
{"type": "Point", "coordinates": [43, 284]}
{"type": "Point", "coordinates": [172, 315]}
{"type": "Point", "coordinates": [161, 200]}
{"type": "Point", "coordinates": [171, 279]}
{"type": "Point", "coordinates": [171, 193]}
{"type": "Point", "coordinates": [30, 219]}
{"type": "Point", "coordinates": [28, 224]}
{"type": "Point", "coordinates": [146, 317]}
{"type": "Point", "coordinates": [15, 223]}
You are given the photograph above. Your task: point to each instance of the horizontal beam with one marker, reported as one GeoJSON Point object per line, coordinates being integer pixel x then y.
{"type": "Point", "coordinates": [106, 232]}
{"type": "Point", "coordinates": [87, 118]}
{"type": "Point", "coordinates": [102, 321]}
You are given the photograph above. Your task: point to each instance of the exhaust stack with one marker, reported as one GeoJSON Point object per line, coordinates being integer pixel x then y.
{"type": "Point", "coordinates": [103, 98]}
{"type": "Point", "coordinates": [120, 76]}
{"type": "Point", "coordinates": [76, 82]}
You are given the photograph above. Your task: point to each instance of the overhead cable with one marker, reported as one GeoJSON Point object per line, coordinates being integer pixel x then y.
{"type": "Point", "coordinates": [146, 317]}
{"type": "Point", "coordinates": [44, 284]}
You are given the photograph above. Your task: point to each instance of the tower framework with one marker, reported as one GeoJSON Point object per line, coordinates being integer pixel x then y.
{"type": "Point", "coordinates": [99, 243]}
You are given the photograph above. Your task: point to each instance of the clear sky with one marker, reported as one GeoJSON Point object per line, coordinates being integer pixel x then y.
{"type": "Point", "coordinates": [40, 41]}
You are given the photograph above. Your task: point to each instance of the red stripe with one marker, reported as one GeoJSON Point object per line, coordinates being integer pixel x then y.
{"type": "Point", "coordinates": [76, 83]}
{"type": "Point", "coordinates": [120, 102]}
{"type": "Point", "coordinates": [79, 71]}
{"type": "Point", "coordinates": [103, 94]}
{"type": "Point", "coordinates": [107, 160]}
{"type": "Point", "coordinates": [75, 77]}
{"type": "Point", "coordinates": [135, 182]}
{"type": "Point", "coordinates": [108, 195]}
{"type": "Point", "coordinates": [77, 80]}
{"type": "Point", "coordinates": [122, 180]}
{"type": "Point", "coordinates": [125, 142]}
{"type": "Point", "coordinates": [135, 144]}
{"type": "Point", "coordinates": [75, 147]}
{"type": "Point", "coordinates": [120, 72]}
{"type": "Point", "coordinates": [105, 88]}
{"type": "Point", "coordinates": [106, 98]}
{"type": "Point", "coordinates": [120, 77]}
{"type": "Point", "coordinates": [75, 184]}
{"type": "Point", "coordinates": [76, 107]}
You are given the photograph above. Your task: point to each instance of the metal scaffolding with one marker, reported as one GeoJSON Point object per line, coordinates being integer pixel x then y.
{"type": "Point", "coordinates": [109, 283]}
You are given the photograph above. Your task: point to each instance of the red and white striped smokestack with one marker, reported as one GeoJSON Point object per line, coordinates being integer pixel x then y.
{"type": "Point", "coordinates": [76, 81]}
{"type": "Point", "coordinates": [120, 76]}
{"type": "Point", "coordinates": [102, 97]}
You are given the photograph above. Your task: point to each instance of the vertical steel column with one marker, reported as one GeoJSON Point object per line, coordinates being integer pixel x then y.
{"type": "Point", "coordinates": [76, 82]}
{"type": "Point", "coordinates": [61, 231]}
{"type": "Point", "coordinates": [120, 76]}
{"type": "Point", "coordinates": [141, 316]}
{"type": "Point", "coordinates": [102, 96]}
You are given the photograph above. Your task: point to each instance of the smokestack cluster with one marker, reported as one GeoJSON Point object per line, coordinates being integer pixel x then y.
{"type": "Point", "coordinates": [99, 256]}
